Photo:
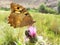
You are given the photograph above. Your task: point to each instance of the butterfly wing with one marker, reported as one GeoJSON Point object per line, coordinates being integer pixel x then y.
{"type": "Point", "coordinates": [19, 16]}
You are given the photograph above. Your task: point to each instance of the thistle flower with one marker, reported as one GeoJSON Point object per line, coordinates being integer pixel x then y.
{"type": "Point", "coordinates": [32, 31]}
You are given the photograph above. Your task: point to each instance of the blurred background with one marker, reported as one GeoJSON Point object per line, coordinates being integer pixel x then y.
{"type": "Point", "coordinates": [45, 12]}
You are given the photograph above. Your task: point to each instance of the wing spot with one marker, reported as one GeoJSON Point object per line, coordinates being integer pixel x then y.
{"type": "Point", "coordinates": [17, 7]}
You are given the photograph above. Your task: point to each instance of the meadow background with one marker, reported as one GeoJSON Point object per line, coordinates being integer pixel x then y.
{"type": "Point", "coordinates": [47, 24]}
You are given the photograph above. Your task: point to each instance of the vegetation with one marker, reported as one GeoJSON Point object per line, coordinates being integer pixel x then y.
{"type": "Point", "coordinates": [59, 7]}
{"type": "Point", "coordinates": [44, 9]}
{"type": "Point", "coordinates": [6, 9]}
{"type": "Point", "coordinates": [48, 25]}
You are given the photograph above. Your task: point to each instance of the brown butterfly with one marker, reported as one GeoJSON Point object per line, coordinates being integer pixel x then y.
{"type": "Point", "coordinates": [19, 16]}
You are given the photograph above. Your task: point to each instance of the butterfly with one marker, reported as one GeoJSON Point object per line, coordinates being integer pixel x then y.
{"type": "Point", "coordinates": [19, 16]}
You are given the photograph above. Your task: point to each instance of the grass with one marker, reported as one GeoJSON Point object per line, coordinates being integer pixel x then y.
{"type": "Point", "coordinates": [48, 25]}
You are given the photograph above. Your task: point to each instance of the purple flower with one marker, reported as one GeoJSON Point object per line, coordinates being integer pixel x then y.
{"type": "Point", "coordinates": [32, 31]}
